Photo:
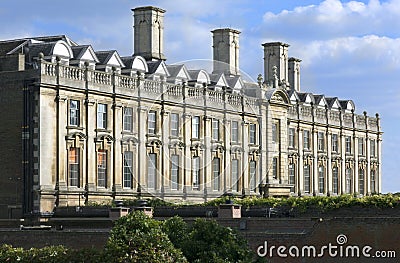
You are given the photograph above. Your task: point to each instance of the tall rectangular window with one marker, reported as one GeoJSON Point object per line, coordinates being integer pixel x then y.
{"type": "Point", "coordinates": [252, 175]}
{"type": "Point", "coordinates": [306, 139]}
{"type": "Point", "coordinates": [373, 148]}
{"type": "Point", "coordinates": [275, 132]}
{"type": "Point", "coordinates": [348, 180]}
{"type": "Point", "coordinates": [235, 174]}
{"type": "Point", "coordinates": [307, 182]}
{"type": "Point", "coordinates": [292, 178]}
{"type": "Point", "coordinates": [321, 141]}
{"type": "Point", "coordinates": [102, 116]}
{"type": "Point", "coordinates": [373, 179]}
{"type": "Point", "coordinates": [102, 168]}
{"type": "Point", "coordinates": [174, 172]}
{"type": "Point", "coordinates": [235, 131]}
{"type": "Point", "coordinates": [335, 180]}
{"type": "Point", "coordinates": [196, 172]}
{"type": "Point", "coordinates": [335, 142]}
{"type": "Point", "coordinates": [215, 129]}
{"type": "Point", "coordinates": [128, 119]}
{"type": "Point", "coordinates": [128, 172]}
{"type": "Point", "coordinates": [74, 166]}
{"type": "Point", "coordinates": [174, 124]}
{"type": "Point", "coordinates": [74, 112]}
{"type": "Point", "coordinates": [196, 127]}
{"type": "Point", "coordinates": [321, 179]}
{"type": "Point", "coordinates": [152, 122]}
{"type": "Point", "coordinates": [216, 172]}
{"type": "Point", "coordinates": [361, 146]}
{"type": "Point", "coordinates": [361, 181]}
{"type": "Point", "coordinates": [275, 167]}
{"type": "Point", "coordinates": [291, 138]}
{"type": "Point", "coordinates": [252, 133]}
{"type": "Point", "coordinates": [151, 170]}
{"type": "Point", "coordinates": [348, 144]}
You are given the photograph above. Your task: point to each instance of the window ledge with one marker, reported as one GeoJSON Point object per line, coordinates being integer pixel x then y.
{"type": "Point", "coordinates": [71, 127]}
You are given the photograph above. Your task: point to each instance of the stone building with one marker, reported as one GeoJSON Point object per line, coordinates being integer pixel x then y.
{"type": "Point", "coordinates": [81, 126]}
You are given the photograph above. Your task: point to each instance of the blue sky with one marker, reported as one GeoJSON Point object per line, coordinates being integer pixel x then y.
{"type": "Point", "coordinates": [349, 49]}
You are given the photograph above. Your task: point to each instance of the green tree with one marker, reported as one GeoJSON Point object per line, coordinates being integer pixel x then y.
{"type": "Point", "coordinates": [138, 238]}
{"type": "Point", "coordinates": [207, 241]}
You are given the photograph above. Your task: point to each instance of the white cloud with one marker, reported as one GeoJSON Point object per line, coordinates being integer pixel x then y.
{"type": "Point", "coordinates": [333, 18]}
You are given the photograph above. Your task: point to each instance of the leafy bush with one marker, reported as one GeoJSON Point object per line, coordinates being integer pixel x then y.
{"type": "Point", "coordinates": [50, 254]}
{"type": "Point", "coordinates": [138, 238]}
{"type": "Point", "coordinates": [207, 241]}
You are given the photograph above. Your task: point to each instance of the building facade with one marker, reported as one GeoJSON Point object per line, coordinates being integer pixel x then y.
{"type": "Point", "coordinates": [92, 126]}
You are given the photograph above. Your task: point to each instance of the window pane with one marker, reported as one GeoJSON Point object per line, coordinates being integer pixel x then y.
{"type": "Point", "coordinates": [321, 141]}
{"type": "Point", "coordinates": [335, 180]}
{"type": "Point", "coordinates": [101, 168]}
{"type": "Point", "coordinates": [291, 138]}
{"type": "Point", "coordinates": [216, 172]}
{"type": "Point", "coordinates": [334, 142]}
{"type": "Point", "coordinates": [307, 178]}
{"type": "Point", "coordinates": [361, 181]}
{"type": "Point", "coordinates": [275, 168]}
{"type": "Point", "coordinates": [102, 116]}
{"type": "Point", "coordinates": [74, 113]}
{"type": "Point", "coordinates": [196, 127]}
{"type": "Point", "coordinates": [235, 174]}
{"type": "Point", "coordinates": [348, 180]}
{"type": "Point", "coordinates": [215, 129]}
{"type": "Point", "coordinates": [128, 119]}
{"type": "Point", "coordinates": [306, 139]}
{"type": "Point", "coordinates": [175, 124]}
{"type": "Point", "coordinates": [151, 122]}
{"type": "Point", "coordinates": [174, 172]}
{"type": "Point", "coordinates": [252, 175]}
{"type": "Point", "coordinates": [196, 172]}
{"type": "Point", "coordinates": [151, 171]}
{"type": "Point", "coordinates": [74, 169]}
{"type": "Point", "coordinates": [292, 178]}
{"type": "Point", "coordinates": [128, 173]}
{"type": "Point", "coordinates": [234, 132]}
{"type": "Point", "coordinates": [321, 179]}
{"type": "Point", "coordinates": [373, 190]}
{"type": "Point", "coordinates": [252, 133]}
{"type": "Point", "coordinates": [348, 144]}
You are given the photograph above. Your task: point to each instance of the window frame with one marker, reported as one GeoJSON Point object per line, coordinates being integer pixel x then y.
{"type": "Point", "coordinates": [321, 141]}
{"type": "Point", "coordinates": [74, 166]}
{"type": "Point", "coordinates": [151, 171]}
{"type": "Point", "coordinates": [321, 179]}
{"type": "Point", "coordinates": [74, 113]}
{"type": "Point", "coordinates": [174, 172]}
{"type": "Point", "coordinates": [235, 175]}
{"type": "Point", "coordinates": [102, 168]}
{"type": "Point", "coordinates": [235, 131]}
{"type": "Point", "coordinates": [196, 127]}
{"type": "Point", "coordinates": [174, 122]}
{"type": "Point", "coordinates": [102, 116]}
{"type": "Point", "coordinates": [252, 133]}
{"type": "Point", "coordinates": [128, 170]}
{"type": "Point", "coordinates": [196, 173]}
{"type": "Point", "coordinates": [335, 180]}
{"type": "Point", "coordinates": [348, 144]}
{"type": "Point", "coordinates": [307, 178]}
{"type": "Point", "coordinates": [128, 119]}
{"type": "Point", "coordinates": [292, 137]}
{"type": "Point", "coordinates": [306, 139]}
{"type": "Point", "coordinates": [253, 176]}
{"type": "Point", "coordinates": [335, 142]}
{"type": "Point", "coordinates": [292, 177]}
{"type": "Point", "coordinates": [152, 122]}
{"type": "Point", "coordinates": [215, 130]}
{"type": "Point", "coordinates": [216, 171]}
